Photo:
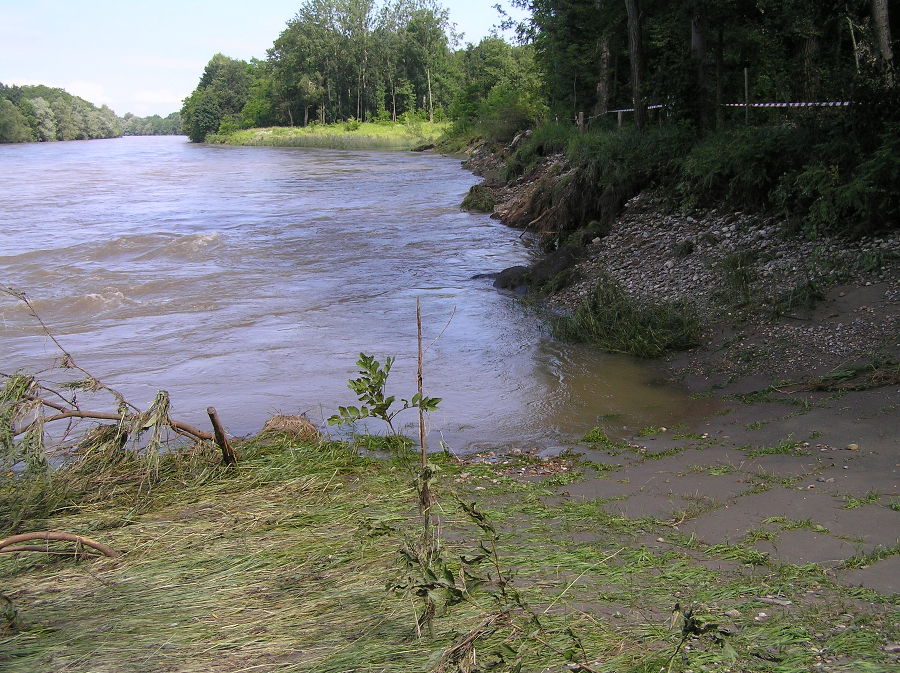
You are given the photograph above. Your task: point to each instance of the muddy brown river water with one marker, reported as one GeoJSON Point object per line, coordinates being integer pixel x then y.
{"type": "Point", "coordinates": [250, 279]}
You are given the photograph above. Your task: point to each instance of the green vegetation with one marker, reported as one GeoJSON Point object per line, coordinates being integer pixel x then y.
{"type": "Point", "coordinates": [480, 199]}
{"type": "Point", "coordinates": [619, 323]}
{"type": "Point", "coordinates": [154, 125]}
{"type": "Point", "coordinates": [363, 135]}
{"type": "Point", "coordinates": [353, 62]}
{"type": "Point", "coordinates": [787, 447]}
{"type": "Point", "coordinates": [40, 113]}
{"type": "Point", "coordinates": [852, 502]}
{"type": "Point", "coordinates": [281, 562]}
{"type": "Point", "coordinates": [370, 389]}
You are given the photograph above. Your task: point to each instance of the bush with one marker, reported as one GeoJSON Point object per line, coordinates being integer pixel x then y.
{"type": "Point", "coordinates": [618, 323]}
{"type": "Point", "coordinates": [741, 167]}
{"type": "Point", "coordinates": [856, 198]}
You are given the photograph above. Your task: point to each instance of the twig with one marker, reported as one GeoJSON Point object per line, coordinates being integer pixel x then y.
{"type": "Point", "coordinates": [441, 333]}
{"type": "Point", "coordinates": [68, 360]}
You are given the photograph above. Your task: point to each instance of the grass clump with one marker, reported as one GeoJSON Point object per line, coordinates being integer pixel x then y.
{"type": "Point", "coordinates": [480, 199]}
{"type": "Point", "coordinates": [787, 447]}
{"type": "Point", "coordinates": [619, 323]}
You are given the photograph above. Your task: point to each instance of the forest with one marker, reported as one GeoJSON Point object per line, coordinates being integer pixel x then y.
{"type": "Point", "coordinates": [46, 114]}
{"type": "Point", "coordinates": [343, 59]}
{"type": "Point", "coordinates": [41, 113]}
{"type": "Point", "coordinates": [756, 104]}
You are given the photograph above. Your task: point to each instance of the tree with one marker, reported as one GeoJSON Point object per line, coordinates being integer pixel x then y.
{"type": "Point", "coordinates": [883, 32]}
{"type": "Point", "coordinates": [13, 125]}
{"type": "Point", "coordinates": [46, 120]}
{"type": "Point", "coordinates": [222, 92]}
{"type": "Point", "coordinates": [636, 56]}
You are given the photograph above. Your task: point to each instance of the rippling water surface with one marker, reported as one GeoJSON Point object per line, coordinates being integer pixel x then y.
{"type": "Point", "coordinates": [250, 279]}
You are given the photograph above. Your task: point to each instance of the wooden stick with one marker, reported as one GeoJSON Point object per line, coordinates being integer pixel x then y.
{"type": "Point", "coordinates": [228, 455]}
{"type": "Point", "coordinates": [57, 536]}
{"type": "Point", "coordinates": [419, 383]}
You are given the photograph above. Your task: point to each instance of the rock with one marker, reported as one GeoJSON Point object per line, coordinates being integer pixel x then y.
{"type": "Point", "coordinates": [734, 614]}
{"type": "Point", "coordinates": [512, 278]}
{"type": "Point", "coordinates": [853, 447]}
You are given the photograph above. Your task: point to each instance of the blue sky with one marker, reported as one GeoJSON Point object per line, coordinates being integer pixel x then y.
{"type": "Point", "coordinates": [145, 56]}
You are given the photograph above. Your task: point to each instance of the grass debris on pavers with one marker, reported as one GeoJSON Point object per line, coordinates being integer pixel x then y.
{"type": "Point", "coordinates": [310, 557]}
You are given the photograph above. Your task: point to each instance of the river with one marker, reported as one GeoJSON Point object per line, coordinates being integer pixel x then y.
{"type": "Point", "coordinates": [250, 279]}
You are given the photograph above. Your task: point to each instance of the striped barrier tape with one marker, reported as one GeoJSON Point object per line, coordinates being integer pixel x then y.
{"type": "Point", "coordinates": [832, 103]}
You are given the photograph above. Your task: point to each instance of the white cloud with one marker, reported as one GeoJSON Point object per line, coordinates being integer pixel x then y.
{"type": "Point", "coordinates": [93, 92]}
{"type": "Point", "coordinates": [156, 96]}
{"type": "Point", "coordinates": [168, 63]}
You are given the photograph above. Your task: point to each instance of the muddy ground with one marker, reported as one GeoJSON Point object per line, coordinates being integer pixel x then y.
{"type": "Point", "coordinates": [801, 461]}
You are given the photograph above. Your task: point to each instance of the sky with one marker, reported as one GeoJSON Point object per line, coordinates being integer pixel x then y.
{"type": "Point", "coordinates": [146, 56]}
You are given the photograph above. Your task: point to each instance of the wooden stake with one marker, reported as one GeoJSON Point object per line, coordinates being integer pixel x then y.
{"type": "Point", "coordinates": [746, 98]}
{"type": "Point", "coordinates": [228, 455]}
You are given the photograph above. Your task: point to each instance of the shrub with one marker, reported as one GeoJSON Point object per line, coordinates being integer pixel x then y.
{"type": "Point", "coordinates": [741, 167]}
{"type": "Point", "coordinates": [619, 323]}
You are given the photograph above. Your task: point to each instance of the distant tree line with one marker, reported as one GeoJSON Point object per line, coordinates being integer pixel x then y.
{"type": "Point", "coordinates": [41, 113]}
{"type": "Point", "coordinates": [353, 59]}
{"type": "Point", "coordinates": [154, 125]}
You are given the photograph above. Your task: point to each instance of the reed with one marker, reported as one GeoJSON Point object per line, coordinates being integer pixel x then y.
{"type": "Point", "coordinates": [356, 136]}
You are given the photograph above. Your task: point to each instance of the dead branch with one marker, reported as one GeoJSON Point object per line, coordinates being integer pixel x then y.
{"type": "Point", "coordinates": [57, 536]}
{"type": "Point", "coordinates": [103, 416]}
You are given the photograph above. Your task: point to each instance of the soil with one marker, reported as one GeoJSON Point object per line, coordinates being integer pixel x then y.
{"type": "Point", "coordinates": [809, 392]}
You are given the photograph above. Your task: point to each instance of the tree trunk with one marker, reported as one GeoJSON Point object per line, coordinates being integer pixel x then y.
{"type": "Point", "coordinates": [430, 105]}
{"type": "Point", "coordinates": [306, 115]}
{"type": "Point", "coordinates": [883, 30]}
{"type": "Point", "coordinates": [602, 103]}
{"type": "Point", "coordinates": [810, 67]}
{"type": "Point", "coordinates": [290, 115]}
{"type": "Point", "coordinates": [720, 60]}
{"type": "Point", "coordinates": [698, 53]}
{"type": "Point", "coordinates": [393, 101]}
{"type": "Point", "coordinates": [636, 56]}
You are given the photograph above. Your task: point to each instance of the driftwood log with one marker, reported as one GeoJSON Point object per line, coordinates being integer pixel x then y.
{"type": "Point", "coordinates": [13, 543]}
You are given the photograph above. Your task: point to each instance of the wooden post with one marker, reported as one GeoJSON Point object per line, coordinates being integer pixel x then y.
{"type": "Point", "coordinates": [581, 122]}
{"type": "Point", "coordinates": [620, 116]}
{"type": "Point", "coordinates": [746, 98]}
{"type": "Point", "coordinates": [228, 455]}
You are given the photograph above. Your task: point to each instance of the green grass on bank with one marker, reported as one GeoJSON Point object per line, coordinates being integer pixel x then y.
{"type": "Point", "coordinates": [282, 564]}
{"type": "Point", "coordinates": [350, 135]}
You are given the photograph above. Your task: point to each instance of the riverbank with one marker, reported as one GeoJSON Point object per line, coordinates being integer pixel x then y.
{"type": "Point", "coordinates": [761, 538]}
{"type": "Point", "coordinates": [281, 563]}
{"type": "Point", "coordinates": [799, 345]}
{"type": "Point", "coordinates": [351, 135]}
